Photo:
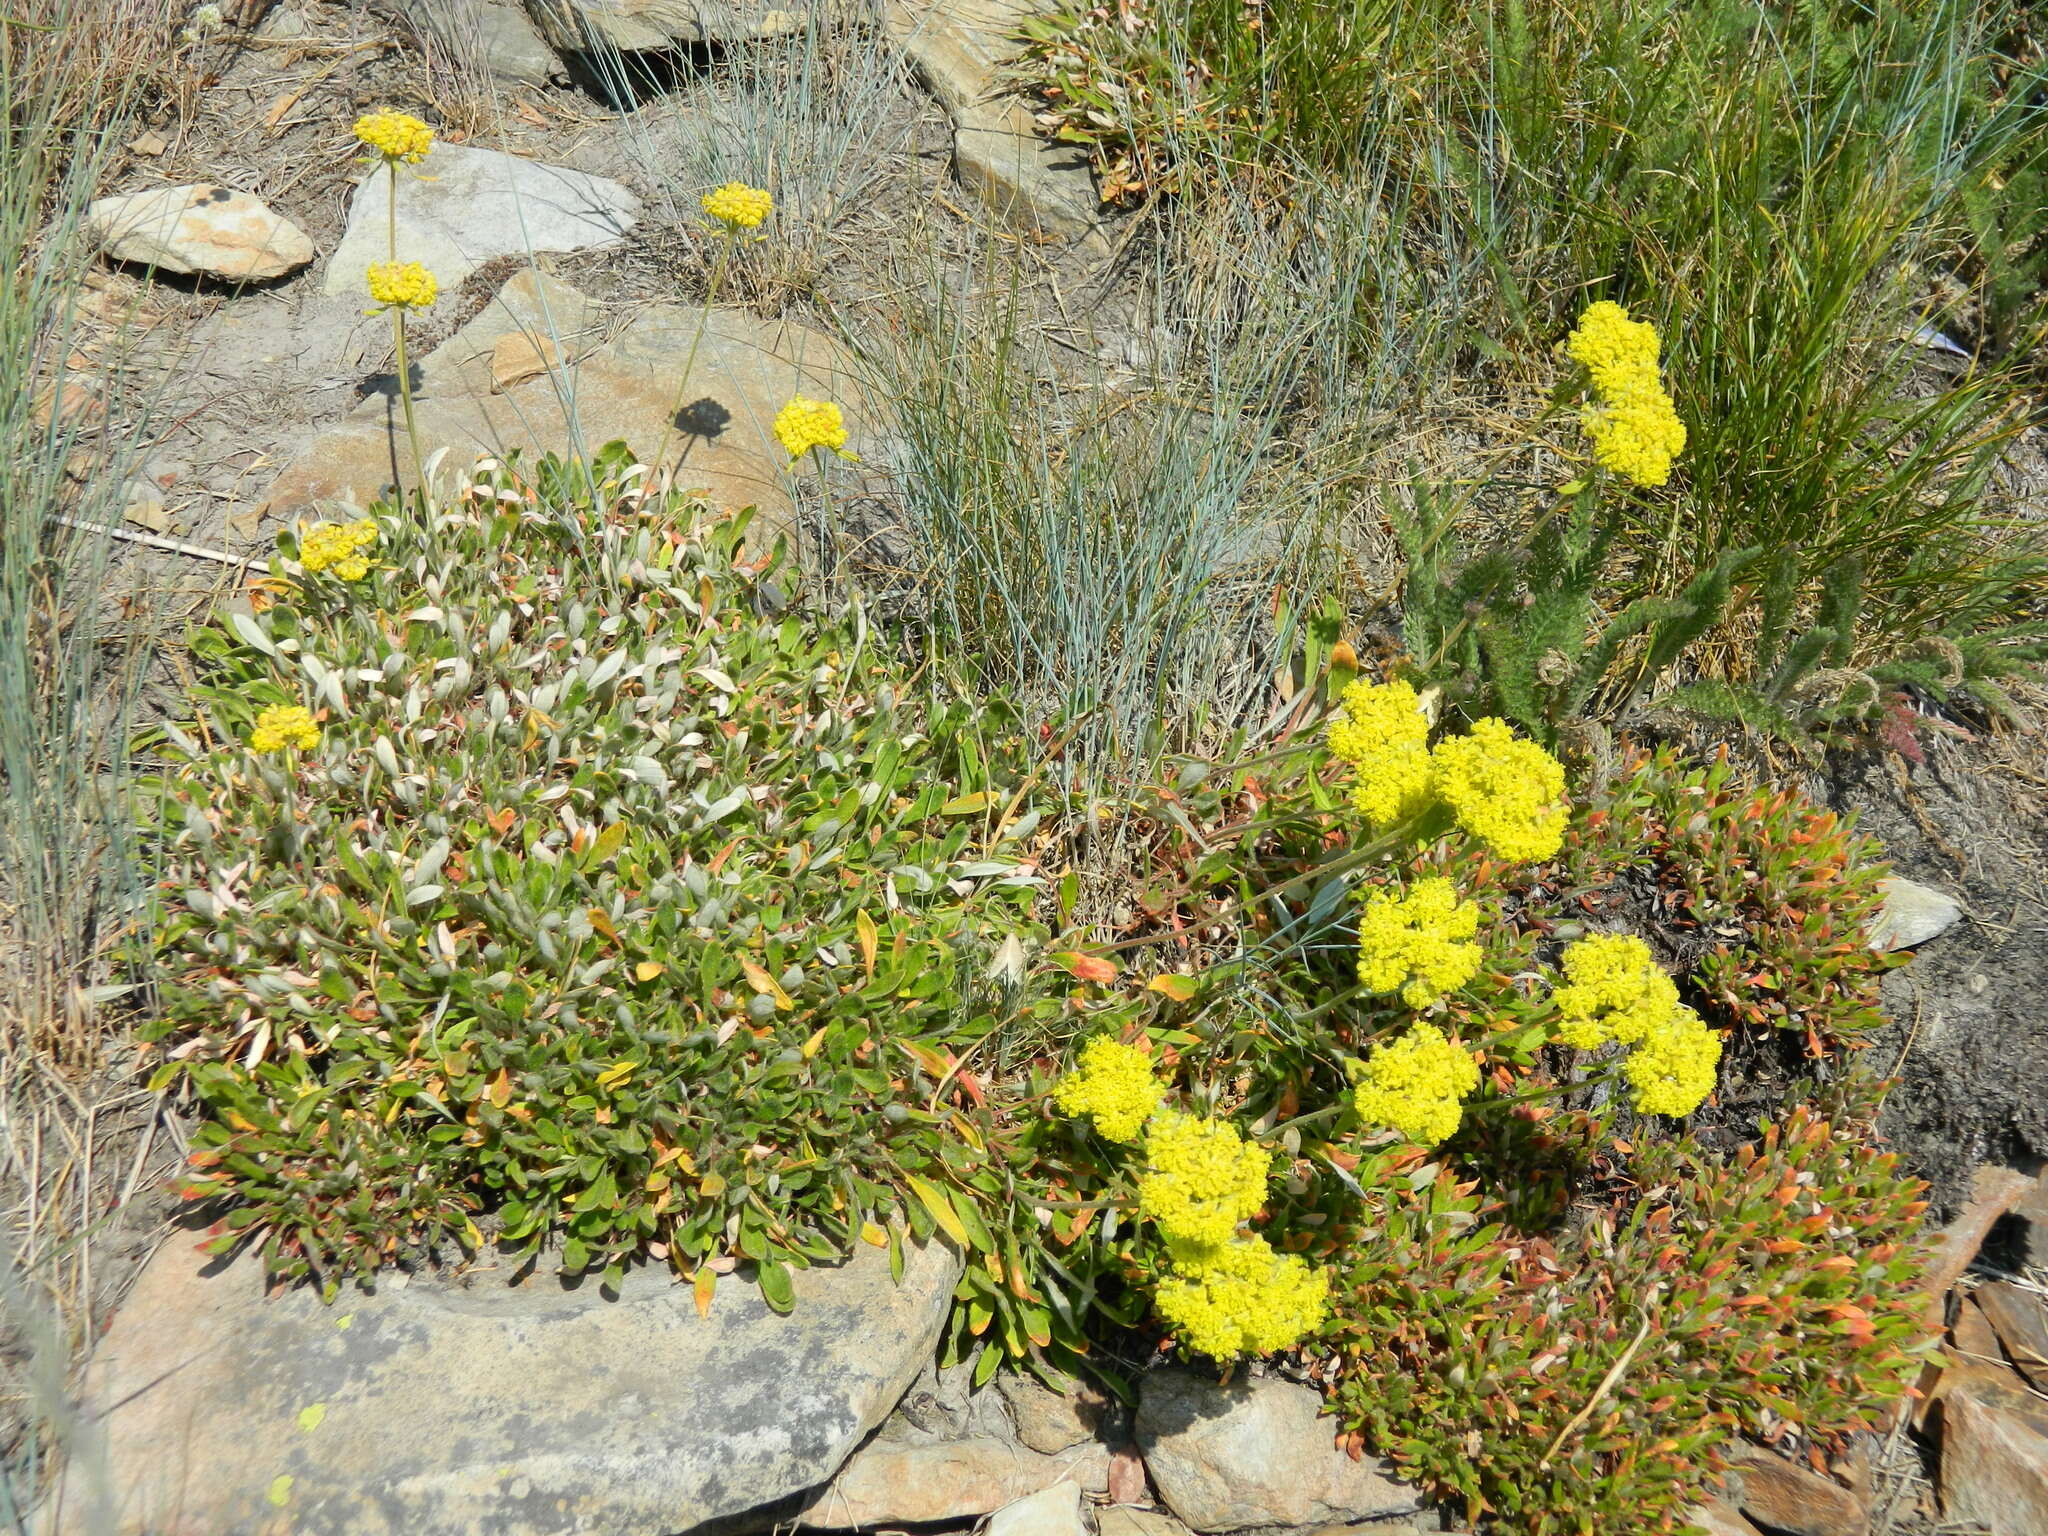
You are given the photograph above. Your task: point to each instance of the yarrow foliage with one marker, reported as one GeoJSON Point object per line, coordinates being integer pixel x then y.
{"type": "Point", "coordinates": [738, 206]}
{"type": "Point", "coordinates": [1419, 943]}
{"type": "Point", "coordinates": [1113, 1085]}
{"type": "Point", "coordinates": [1633, 425]}
{"type": "Point", "coordinates": [397, 136]}
{"type": "Point", "coordinates": [338, 547]}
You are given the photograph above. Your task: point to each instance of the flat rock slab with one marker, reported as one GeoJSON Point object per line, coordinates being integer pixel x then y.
{"type": "Point", "coordinates": [462, 207]}
{"type": "Point", "coordinates": [1255, 1453]}
{"type": "Point", "coordinates": [200, 230]}
{"type": "Point", "coordinates": [640, 26]}
{"type": "Point", "coordinates": [1994, 1470]}
{"type": "Point", "coordinates": [487, 1411]}
{"type": "Point", "coordinates": [958, 48]}
{"type": "Point", "coordinates": [721, 442]}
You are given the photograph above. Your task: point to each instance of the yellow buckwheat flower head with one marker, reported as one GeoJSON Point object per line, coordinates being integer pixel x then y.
{"type": "Point", "coordinates": [1672, 1071]}
{"type": "Point", "coordinates": [738, 206]}
{"type": "Point", "coordinates": [396, 136]}
{"type": "Point", "coordinates": [338, 547]}
{"type": "Point", "coordinates": [1384, 734]}
{"type": "Point", "coordinates": [1416, 1085]}
{"type": "Point", "coordinates": [1633, 425]}
{"type": "Point", "coordinates": [1113, 1085]}
{"type": "Point", "coordinates": [1506, 791]}
{"type": "Point", "coordinates": [401, 284]}
{"type": "Point", "coordinates": [803, 425]}
{"type": "Point", "coordinates": [1241, 1298]}
{"type": "Point", "coordinates": [285, 725]}
{"type": "Point", "coordinates": [1615, 991]}
{"type": "Point", "coordinates": [1201, 1178]}
{"type": "Point", "coordinates": [1418, 943]}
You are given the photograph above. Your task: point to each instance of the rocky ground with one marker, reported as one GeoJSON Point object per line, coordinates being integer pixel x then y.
{"type": "Point", "coordinates": [559, 218]}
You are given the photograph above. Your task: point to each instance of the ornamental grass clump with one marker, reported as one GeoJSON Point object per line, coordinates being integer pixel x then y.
{"type": "Point", "coordinates": [598, 916]}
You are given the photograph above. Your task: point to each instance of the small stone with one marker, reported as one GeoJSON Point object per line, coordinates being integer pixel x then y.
{"type": "Point", "coordinates": [470, 205]}
{"type": "Point", "coordinates": [1124, 1520]}
{"type": "Point", "coordinates": [1994, 1469]}
{"type": "Point", "coordinates": [1772, 1491]}
{"type": "Point", "coordinates": [2020, 1319]}
{"type": "Point", "coordinates": [1051, 1421]}
{"type": "Point", "coordinates": [1255, 1453]}
{"type": "Point", "coordinates": [519, 357]}
{"type": "Point", "coordinates": [894, 1482]}
{"type": "Point", "coordinates": [1054, 1511]}
{"type": "Point", "coordinates": [1993, 1384]}
{"type": "Point", "coordinates": [200, 230]}
{"type": "Point", "coordinates": [1912, 914]}
{"type": "Point", "coordinates": [1717, 1517]}
{"type": "Point", "coordinates": [1127, 1480]}
{"type": "Point", "coordinates": [627, 1415]}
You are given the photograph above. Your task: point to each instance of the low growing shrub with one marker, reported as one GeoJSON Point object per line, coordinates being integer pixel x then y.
{"type": "Point", "coordinates": [576, 901]}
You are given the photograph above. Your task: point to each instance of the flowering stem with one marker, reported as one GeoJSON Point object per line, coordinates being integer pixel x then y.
{"type": "Point", "coordinates": [412, 426]}
{"type": "Point", "coordinates": [690, 358]}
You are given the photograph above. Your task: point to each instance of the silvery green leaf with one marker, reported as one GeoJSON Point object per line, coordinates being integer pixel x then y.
{"type": "Point", "coordinates": [431, 861]}
{"type": "Point", "coordinates": [247, 627]}
{"type": "Point", "coordinates": [606, 670]}
{"type": "Point", "coordinates": [386, 755]}
{"type": "Point", "coordinates": [420, 895]}
{"type": "Point", "coordinates": [648, 771]}
{"type": "Point", "coordinates": [982, 869]}
{"type": "Point", "coordinates": [1022, 827]}
{"type": "Point", "coordinates": [725, 805]}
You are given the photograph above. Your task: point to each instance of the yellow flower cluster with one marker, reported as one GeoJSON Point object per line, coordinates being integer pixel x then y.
{"type": "Point", "coordinates": [1615, 990]}
{"type": "Point", "coordinates": [338, 547]}
{"type": "Point", "coordinates": [738, 206]}
{"type": "Point", "coordinates": [1416, 1085]}
{"type": "Point", "coordinates": [1384, 734]}
{"type": "Point", "coordinates": [1506, 791]}
{"type": "Point", "coordinates": [396, 136]}
{"type": "Point", "coordinates": [1201, 1178]}
{"type": "Point", "coordinates": [1113, 1085]}
{"type": "Point", "coordinates": [401, 284]}
{"type": "Point", "coordinates": [1634, 426]}
{"type": "Point", "coordinates": [803, 425]}
{"type": "Point", "coordinates": [285, 725]}
{"type": "Point", "coordinates": [1241, 1298]}
{"type": "Point", "coordinates": [1419, 944]}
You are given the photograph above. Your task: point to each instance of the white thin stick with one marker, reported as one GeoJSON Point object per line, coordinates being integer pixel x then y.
{"type": "Point", "coordinates": [158, 541]}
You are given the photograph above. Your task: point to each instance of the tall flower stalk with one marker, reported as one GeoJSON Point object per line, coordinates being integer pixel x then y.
{"type": "Point", "coordinates": [736, 211]}
{"type": "Point", "coordinates": [812, 428]}
{"type": "Point", "coordinates": [399, 287]}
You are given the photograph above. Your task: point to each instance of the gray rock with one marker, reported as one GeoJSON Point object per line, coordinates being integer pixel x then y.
{"type": "Point", "coordinates": [199, 230]}
{"type": "Point", "coordinates": [1255, 1453]}
{"type": "Point", "coordinates": [1054, 1511]}
{"type": "Point", "coordinates": [1994, 1470]}
{"type": "Point", "coordinates": [627, 388]}
{"type": "Point", "coordinates": [639, 26]}
{"type": "Point", "coordinates": [1912, 914]}
{"type": "Point", "coordinates": [461, 207]}
{"type": "Point", "coordinates": [905, 1482]}
{"type": "Point", "coordinates": [1051, 1421]}
{"type": "Point", "coordinates": [535, 1410]}
{"type": "Point", "coordinates": [1125, 1520]}
{"type": "Point", "coordinates": [512, 47]}
{"type": "Point", "coordinates": [958, 48]}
